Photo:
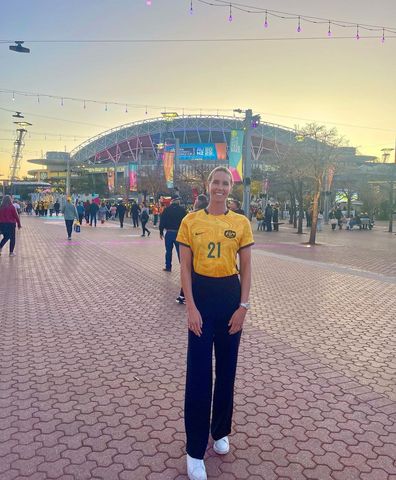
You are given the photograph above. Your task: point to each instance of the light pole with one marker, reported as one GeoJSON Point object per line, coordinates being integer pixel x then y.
{"type": "Point", "coordinates": [386, 153]}
{"type": "Point", "coordinates": [251, 121]}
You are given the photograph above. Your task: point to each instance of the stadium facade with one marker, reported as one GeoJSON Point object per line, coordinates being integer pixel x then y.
{"type": "Point", "coordinates": [200, 139]}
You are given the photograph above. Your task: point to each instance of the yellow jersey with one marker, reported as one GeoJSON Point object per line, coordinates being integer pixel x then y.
{"type": "Point", "coordinates": [215, 241]}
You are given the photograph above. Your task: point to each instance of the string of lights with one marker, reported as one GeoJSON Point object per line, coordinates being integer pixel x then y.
{"type": "Point", "coordinates": [198, 40]}
{"type": "Point", "coordinates": [183, 111]}
{"type": "Point", "coordinates": [104, 103]}
{"type": "Point", "coordinates": [267, 14]}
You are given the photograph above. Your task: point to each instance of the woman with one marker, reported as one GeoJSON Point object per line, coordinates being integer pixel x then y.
{"type": "Point", "coordinates": [217, 302]}
{"type": "Point", "coordinates": [8, 220]}
{"type": "Point", "coordinates": [144, 218]}
{"type": "Point", "coordinates": [102, 212]}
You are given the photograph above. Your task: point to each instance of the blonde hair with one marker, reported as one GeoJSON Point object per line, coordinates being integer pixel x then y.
{"type": "Point", "coordinates": [220, 169]}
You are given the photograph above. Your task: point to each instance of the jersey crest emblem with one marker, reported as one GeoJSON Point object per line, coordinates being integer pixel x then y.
{"type": "Point", "coordinates": [230, 234]}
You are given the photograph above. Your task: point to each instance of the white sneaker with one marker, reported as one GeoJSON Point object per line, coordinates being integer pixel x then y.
{"type": "Point", "coordinates": [12, 254]}
{"type": "Point", "coordinates": [222, 446]}
{"type": "Point", "coordinates": [196, 469]}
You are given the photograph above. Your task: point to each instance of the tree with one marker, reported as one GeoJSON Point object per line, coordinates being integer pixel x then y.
{"type": "Point", "coordinates": [317, 147]}
{"type": "Point", "coordinates": [292, 169]}
{"type": "Point", "coordinates": [195, 177]}
{"type": "Point", "coordinates": [384, 173]}
{"type": "Point", "coordinates": [151, 181]}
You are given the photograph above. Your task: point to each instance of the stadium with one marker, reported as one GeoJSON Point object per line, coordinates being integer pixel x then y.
{"type": "Point", "coordinates": [190, 141]}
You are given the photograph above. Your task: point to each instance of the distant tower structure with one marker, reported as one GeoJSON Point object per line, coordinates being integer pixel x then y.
{"type": "Point", "coordinates": [18, 147]}
{"type": "Point", "coordinates": [17, 155]}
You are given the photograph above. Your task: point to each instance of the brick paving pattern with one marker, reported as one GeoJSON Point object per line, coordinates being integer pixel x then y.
{"type": "Point", "coordinates": [92, 359]}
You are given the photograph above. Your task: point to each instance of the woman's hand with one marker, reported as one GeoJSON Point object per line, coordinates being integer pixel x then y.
{"type": "Point", "coordinates": [237, 319]}
{"type": "Point", "coordinates": [194, 320]}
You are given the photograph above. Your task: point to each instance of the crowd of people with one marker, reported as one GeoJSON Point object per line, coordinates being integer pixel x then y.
{"type": "Point", "coordinates": [341, 219]}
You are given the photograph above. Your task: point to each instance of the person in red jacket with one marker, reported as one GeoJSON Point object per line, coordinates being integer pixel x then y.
{"type": "Point", "coordinates": [8, 221]}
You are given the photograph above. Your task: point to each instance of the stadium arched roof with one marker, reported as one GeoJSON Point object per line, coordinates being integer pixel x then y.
{"type": "Point", "coordinates": [126, 142]}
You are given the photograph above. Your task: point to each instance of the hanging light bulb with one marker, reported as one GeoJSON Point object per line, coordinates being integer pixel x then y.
{"type": "Point", "coordinates": [357, 32]}
{"type": "Point", "coordinates": [299, 25]}
{"type": "Point", "coordinates": [126, 108]}
{"type": "Point", "coordinates": [13, 96]}
{"type": "Point", "coordinates": [230, 16]}
{"type": "Point", "coordinates": [191, 7]}
{"type": "Point", "coordinates": [266, 20]}
{"type": "Point", "coordinates": [62, 102]}
{"type": "Point", "coordinates": [383, 36]}
{"type": "Point", "coordinates": [329, 32]}
{"type": "Point", "coordinates": [84, 105]}
{"type": "Point", "coordinates": [145, 111]}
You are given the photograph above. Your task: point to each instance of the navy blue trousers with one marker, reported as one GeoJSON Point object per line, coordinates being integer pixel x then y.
{"type": "Point", "coordinates": [216, 299]}
{"type": "Point", "coordinates": [170, 240]}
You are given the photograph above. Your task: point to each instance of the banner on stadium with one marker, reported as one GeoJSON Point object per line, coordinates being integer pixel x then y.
{"type": "Point", "coordinates": [235, 155]}
{"type": "Point", "coordinates": [133, 177]}
{"type": "Point", "coordinates": [110, 179]}
{"type": "Point", "coordinates": [169, 163]}
{"type": "Point", "coordinates": [200, 151]}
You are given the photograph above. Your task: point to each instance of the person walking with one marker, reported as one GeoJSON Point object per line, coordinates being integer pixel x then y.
{"type": "Point", "coordinates": [102, 213]}
{"type": "Point", "coordinates": [333, 219]}
{"type": "Point", "coordinates": [81, 212]}
{"type": "Point", "coordinates": [93, 210]}
{"type": "Point", "coordinates": [121, 209]}
{"type": "Point", "coordinates": [9, 219]}
{"type": "Point", "coordinates": [268, 217]}
{"type": "Point", "coordinates": [217, 302]}
{"type": "Point", "coordinates": [135, 212]}
{"type": "Point", "coordinates": [70, 214]}
{"type": "Point", "coordinates": [57, 207]}
{"type": "Point", "coordinates": [144, 218]}
{"type": "Point", "coordinates": [29, 208]}
{"type": "Point", "coordinates": [275, 218]}
{"type": "Point", "coordinates": [260, 219]}
{"type": "Point", "coordinates": [319, 224]}
{"type": "Point", "coordinates": [155, 215]}
{"type": "Point", "coordinates": [51, 208]}
{"type": "Point", "coordinates": [87, 206]}
{"type": "Point", "coordinates": [170, 221]}
{"type": "Point", "coordinates": [339, 216]}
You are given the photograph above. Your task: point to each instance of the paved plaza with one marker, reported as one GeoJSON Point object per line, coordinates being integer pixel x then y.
{"type": "Point", "coordinates": [93, 346]}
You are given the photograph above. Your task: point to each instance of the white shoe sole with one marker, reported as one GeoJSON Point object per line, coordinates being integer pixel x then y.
{"type": "Point", "coordinates": [221, 452]}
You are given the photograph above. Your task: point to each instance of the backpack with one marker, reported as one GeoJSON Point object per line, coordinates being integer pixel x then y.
{"type": "Point", "coordinates": [144, 216]}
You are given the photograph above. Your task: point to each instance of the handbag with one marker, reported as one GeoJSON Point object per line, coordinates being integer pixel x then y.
{"type": "Point", "coordinates": [77, 227]}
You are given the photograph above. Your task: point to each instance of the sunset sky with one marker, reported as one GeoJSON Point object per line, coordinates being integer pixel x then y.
{"type": "Point", "coordinates": [290, 79]}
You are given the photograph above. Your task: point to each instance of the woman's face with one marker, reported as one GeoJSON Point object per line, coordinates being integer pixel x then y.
{"type": "Point", "coordinates": [220, 187]}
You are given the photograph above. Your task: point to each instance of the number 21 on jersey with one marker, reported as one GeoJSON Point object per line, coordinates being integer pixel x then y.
{"type": "Point", "coordinates": [214, 250]}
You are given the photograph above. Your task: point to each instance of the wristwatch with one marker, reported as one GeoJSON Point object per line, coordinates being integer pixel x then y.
{"type": "Point", "coordinates": [245, 305]}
